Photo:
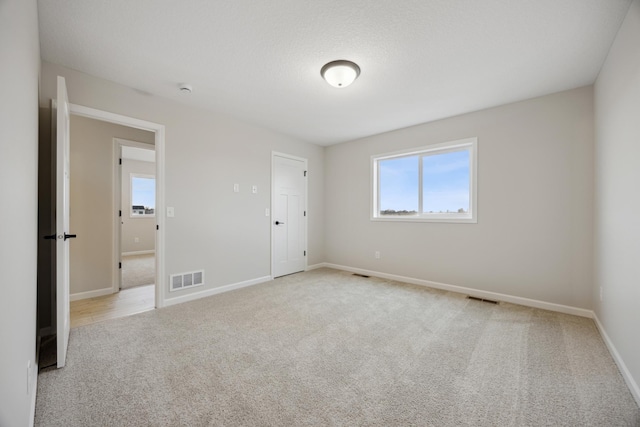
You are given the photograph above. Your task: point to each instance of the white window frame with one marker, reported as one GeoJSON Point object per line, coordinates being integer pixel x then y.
{"type": "Point", "coordinates": [139, 175]}
{"type": "Point", "coordinates": [470, 144]}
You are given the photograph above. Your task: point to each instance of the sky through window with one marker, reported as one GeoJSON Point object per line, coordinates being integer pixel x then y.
{"type": "Point", "coordinates": [445, 183]}
{"type": "Point", "coordinates": [143, 192]}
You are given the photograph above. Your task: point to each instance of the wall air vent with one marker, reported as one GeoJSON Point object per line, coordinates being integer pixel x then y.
{"type": "Point", "coordinates": [186, 280]}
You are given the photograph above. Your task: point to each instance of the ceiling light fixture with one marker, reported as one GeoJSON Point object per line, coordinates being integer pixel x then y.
{"type": "Point", "coordinates": [340, 73]}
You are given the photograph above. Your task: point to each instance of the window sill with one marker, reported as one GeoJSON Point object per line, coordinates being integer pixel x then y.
{"type": "Point", "coordinates": [447, 219]}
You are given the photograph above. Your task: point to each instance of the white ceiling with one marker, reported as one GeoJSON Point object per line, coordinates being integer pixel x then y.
{"type": "Point", "coordinates": [260, 61]}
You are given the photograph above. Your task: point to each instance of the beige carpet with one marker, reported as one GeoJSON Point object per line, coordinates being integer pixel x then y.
{"type": "Point", "coordinates": [138, 270]}
{"type": "Point", "coordinates": [328, 348]}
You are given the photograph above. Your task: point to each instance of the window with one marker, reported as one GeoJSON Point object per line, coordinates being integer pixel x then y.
{"type": "Point", "coordinates": [143, 195]}
{"type": "Point", "coordinates": [434, 183]}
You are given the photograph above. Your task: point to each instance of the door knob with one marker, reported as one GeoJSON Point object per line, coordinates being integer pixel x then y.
{"type": "Point", "coordinates": [52, 237]}
{"type": "Point", "coordinates": [69, 236]}
{"type": "Point", "coordinates": [279, 223]}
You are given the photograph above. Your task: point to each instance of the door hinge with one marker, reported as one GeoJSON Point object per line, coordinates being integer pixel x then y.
{"type": "Point", "coordinates": [119, 265]}
{"type": "Point", "coordinates": [305, 253]}
{"type": "Point", "coordinates": [157, 227]}
{"type": "Point", "coordinates": [305, 213]}
{"type": "Point", "coordinates": [120, 161]}
{"type": "Point", "coordinates": [305, 173]}
{"type": "Point", "coordinates": [120, 213]}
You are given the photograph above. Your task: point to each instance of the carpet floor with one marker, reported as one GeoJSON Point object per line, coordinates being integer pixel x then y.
{"type": "Point", "coordinates": [328, 348]}
{"type": "Point", "coordinates": [138, 270]}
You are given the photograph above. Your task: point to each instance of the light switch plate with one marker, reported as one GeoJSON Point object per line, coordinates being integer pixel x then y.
{"type": "Point", "coordinates": [170, 212]}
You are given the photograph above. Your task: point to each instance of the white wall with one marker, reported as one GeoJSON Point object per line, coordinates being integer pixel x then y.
{"type": "Point", "coordinates": [91, 217]}
{"type": "Point", "coordinates": [617, 259]}
{"type": "Point", "coordinates": [228, 234]}
{"type": "Point", "coordinates": [144, 229]}
{"type": "Point", "coordinates": [533, 238]}
{"type": "Point", "coordinates": [19, 68]}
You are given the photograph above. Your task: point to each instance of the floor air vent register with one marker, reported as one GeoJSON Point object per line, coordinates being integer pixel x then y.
{"type": "Point", "coordinates": [490, 301]}
{"type": "Point", "coordinates": [186, 280]}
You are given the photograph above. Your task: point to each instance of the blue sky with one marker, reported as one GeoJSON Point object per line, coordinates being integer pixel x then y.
{"type": "Point", "coordinates": [445, 182]}
{"type": "Point", "coordinates": [143, 192]}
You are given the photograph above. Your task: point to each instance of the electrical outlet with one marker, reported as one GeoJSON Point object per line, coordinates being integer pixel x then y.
{"type": "Point", "coordinates": [267, 212]}
{"type": "Point", "coordinates": [236, 188]}
{"type": "Point", "coordinates": [377, 255]}
{"type": "Point", "coordinates": [600, 293]}
{"type": "Point", "coordinates": [136, 240]}
{"type": "Point", "coordinates": [254, 189]}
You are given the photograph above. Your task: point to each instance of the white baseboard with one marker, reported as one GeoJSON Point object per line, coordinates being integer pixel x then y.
{"type": "Point", "coordinates": [316, 266]}
{"type": "Point", "coordinates": [151, 251]}
{"type": "Point", "coordinates": [631, 383]}
{"type": "Point", "coordinates": [91, 294]}
{"type": "Point", "coordinates": [214, 291]}
{"type": "Point", "coordinates": [470, 291]}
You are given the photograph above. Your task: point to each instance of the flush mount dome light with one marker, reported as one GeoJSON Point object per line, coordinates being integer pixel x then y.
{"type": "Point", "coordinates": [340, 73]}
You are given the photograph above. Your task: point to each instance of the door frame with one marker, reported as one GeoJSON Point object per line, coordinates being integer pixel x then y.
{"type": "Point", "coordinates": [159, 131]}
{"type": "Point", "coordinates": [118, 143]}
{"type": "Point", "coordinates": [275, 154]}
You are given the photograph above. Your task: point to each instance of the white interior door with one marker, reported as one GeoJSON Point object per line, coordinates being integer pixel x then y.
{"type": "Point", "coordinates": [61, 120]}
{"type": "Point", "coordinates": [289, 223]}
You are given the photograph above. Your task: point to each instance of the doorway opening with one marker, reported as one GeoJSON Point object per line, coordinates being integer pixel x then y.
{"type": "Point", "coordinates": [136, 226]}
{"type": "Point", "coordinates": [136, 242]}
